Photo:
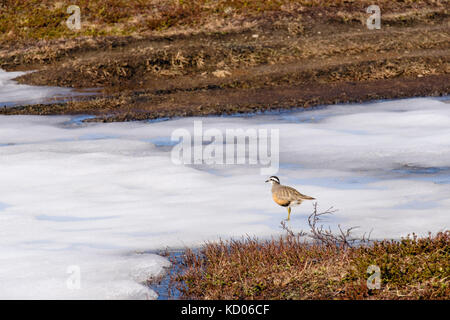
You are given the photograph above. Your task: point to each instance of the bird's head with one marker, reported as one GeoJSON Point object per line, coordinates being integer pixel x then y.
{"type": "Point", "coordinates": [273, 180]}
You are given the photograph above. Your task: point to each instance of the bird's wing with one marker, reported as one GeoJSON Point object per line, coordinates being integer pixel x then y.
{"type": "Point", "coordinates": [294, 194]}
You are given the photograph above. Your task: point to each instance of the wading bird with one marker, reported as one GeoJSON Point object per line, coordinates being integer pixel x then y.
{"type": "Point", "coordinates": [286, 196]}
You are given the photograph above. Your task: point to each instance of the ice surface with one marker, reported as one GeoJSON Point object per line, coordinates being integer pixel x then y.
{"type": "Point", "coordinates": [12, 94]}
{"type": "Point", "coordinates": [92, 195]}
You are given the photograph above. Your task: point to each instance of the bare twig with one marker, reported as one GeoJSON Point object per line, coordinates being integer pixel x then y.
{"type": "Point", "coordinates": [325, 236]}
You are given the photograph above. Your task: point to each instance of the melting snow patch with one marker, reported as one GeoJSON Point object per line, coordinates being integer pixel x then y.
{"type": "Point", "coordinates": [90, 195]}
{"type": "Point", "coordinates": [12, 94]}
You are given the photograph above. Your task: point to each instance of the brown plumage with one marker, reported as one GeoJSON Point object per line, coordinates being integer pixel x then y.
{"type": "Point", "coordinates": [286, 196]}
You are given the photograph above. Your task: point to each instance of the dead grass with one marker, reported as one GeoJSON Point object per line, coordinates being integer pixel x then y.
{"type": "Point", "coordinates": [22, 20]}
{"type": "Point", "coordinates": [165, 58]}
{"type": "Point", "coordinates": [328, 267]}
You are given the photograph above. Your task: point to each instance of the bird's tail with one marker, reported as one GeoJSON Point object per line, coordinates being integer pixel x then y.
{"type": "Point", "coordinates": [308, 198]}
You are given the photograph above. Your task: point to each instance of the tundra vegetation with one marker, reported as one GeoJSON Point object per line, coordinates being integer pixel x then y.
{"type": "Point", "coordinates": [165, 58]}
{"type": "Point", "coordinates": [318, 264]}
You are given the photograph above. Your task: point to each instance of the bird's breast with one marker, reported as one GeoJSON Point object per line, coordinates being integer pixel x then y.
{"type": "Point", "coordinates": [281, 202]}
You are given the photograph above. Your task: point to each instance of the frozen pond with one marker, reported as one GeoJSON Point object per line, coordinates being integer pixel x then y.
{"type": "Point", "coordinates": [93, 197]}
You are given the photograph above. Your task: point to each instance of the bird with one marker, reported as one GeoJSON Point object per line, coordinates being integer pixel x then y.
{"type": "Point", "coordinates": [286, 196]}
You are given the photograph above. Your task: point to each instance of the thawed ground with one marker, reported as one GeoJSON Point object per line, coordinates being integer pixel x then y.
{"type": "Point", "coordinates": [96, 195]}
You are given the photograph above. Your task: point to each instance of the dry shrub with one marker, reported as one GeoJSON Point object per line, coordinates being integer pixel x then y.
{"type": "Point", "coordinates": [318, 264]}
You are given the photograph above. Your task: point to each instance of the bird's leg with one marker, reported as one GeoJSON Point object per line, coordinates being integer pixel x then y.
{"type": "Point", "coordinates": [289, 214]}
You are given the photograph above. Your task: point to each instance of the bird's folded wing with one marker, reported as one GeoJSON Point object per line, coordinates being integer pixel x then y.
{"type": "Point", "coordinates": [292, 194]}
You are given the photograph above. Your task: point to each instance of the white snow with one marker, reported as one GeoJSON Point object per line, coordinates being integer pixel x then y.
{"type": "Point", "coordinates": [12, 94]}
{"type": "Point", "coordinates": [98, 195]}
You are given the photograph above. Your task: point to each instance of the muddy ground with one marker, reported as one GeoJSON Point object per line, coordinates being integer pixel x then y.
{"type": "Point", "coordinates": [290, 57]}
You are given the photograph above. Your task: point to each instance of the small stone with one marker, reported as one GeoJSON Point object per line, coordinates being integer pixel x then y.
{"type": "Point", "coordinates": [221, 73]}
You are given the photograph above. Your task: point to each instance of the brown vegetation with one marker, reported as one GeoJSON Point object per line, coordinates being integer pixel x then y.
{"type": "Point", "coordinates": [328, 266]}
{"type": "Point", "coordinates": [166, 58]}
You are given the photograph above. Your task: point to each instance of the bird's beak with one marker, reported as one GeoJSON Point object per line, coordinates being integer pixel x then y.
{"type": "Point", "coordinates": [267, 181]}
